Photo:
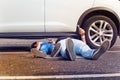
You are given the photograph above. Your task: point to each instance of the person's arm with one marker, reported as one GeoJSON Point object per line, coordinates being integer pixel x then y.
{"type": "Point", "coordinates": [38, 45]}
{"type": "Point", "coordinates": [51, 41]}
{"type": "Point", "coordinates": [82, 33]}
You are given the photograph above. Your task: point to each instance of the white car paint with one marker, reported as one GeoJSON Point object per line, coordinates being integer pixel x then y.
{"type": "Point", "coordinates": [47, 15]}
{"type": "Point", "coordinates": [65, 14]}
{"type": "Point", "coordinates": [114, 5]}
{"type": "Point", "coordinates": [21, 15]}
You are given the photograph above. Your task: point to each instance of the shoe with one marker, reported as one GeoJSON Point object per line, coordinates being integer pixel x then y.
{"type": "Point", "coordinates": [69, 49]}
{"type": "Point", "coordinates": [56, 50]}
{"type": "Point", "coordinates": [38, 54]}
{"type": "Point", "coordinates": [101, 50]}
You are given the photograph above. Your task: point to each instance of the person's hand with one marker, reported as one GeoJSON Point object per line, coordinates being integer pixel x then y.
{"type": "Point", "coordinates": [38, 45]}
{"type": "Point", "coordinates": [81, 31]}
{"type": "Point", "coordinates": [52, 41]}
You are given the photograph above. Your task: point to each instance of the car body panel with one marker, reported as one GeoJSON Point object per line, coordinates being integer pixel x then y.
{"type": "Point", "coordinates": [111, 4]}
{"type": "Point", "coordinates": [21, 15]}
{"type": "Point", "coordinates": [47, 15]}
{"type": "Point", "coordinates": [41, 15]}
{"type": "Point", "coordinates": [63, 15]}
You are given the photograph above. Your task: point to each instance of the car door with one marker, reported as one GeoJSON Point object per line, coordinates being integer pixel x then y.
{"type": "Point", "coordinates": [63, 15]}
{"type": "Point", "coordinates": [21, 15]}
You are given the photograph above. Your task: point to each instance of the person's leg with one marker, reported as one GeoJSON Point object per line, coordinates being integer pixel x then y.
{"type": "Point", "coordinates": [88, 54]}
{"type": "Point", "coordinates": [102, 49]}
{"type": "Point", "coordinates": [82, 49]}
{"type": "Point", "coordinates": [85, 51]}
{"type": "Point", "coordinates": [56, 50]}
{"type": "Point", "coordinates": [69, 49]}
{"type": "Point", "coordinates": [63, 48]}
{"type": "Point", "coordinates": [67, 52]}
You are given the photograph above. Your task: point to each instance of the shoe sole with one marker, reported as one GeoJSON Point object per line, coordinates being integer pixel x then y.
{"type": "Point", "coordinates": [103, 48]}
{"type": "Point", "coordinates": [56, 50]}
{"type": "Point", "coordinates": [38, 53]}
{"type": "Point", "coordinates": [69, 49]}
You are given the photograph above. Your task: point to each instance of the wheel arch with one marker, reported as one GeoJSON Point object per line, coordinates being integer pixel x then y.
{"type": "Point", "coordinates": [100, 11]}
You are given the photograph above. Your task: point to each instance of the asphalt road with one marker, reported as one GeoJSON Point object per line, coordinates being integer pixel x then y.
{"type": "Point", "coordinates": [18, 62]}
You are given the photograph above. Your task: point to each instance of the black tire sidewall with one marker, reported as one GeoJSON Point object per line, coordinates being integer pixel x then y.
{"type": "Point", "coordinates": [91, 20]}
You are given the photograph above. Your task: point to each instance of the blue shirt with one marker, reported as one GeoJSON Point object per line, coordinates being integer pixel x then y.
{"type": "Point", "coordinates": [46, 47]}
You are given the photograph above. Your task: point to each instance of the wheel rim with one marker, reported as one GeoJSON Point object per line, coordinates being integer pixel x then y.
{"type": "Point", "coordinates": [99, 31]}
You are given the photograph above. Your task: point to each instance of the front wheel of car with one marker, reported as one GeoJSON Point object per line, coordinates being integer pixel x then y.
{"type": "Point", "coordinates": [99, 28]}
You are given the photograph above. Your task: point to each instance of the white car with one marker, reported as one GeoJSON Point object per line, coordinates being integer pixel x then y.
{"type": "Point", "coordinates": [26, 18]}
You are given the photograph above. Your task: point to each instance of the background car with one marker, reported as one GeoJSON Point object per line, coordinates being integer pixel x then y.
{"type": "Point", "coordinates": [37, 18]}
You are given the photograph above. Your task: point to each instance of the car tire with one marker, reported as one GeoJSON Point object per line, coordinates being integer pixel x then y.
{"type": "Point", "coordinates": [98, 28]}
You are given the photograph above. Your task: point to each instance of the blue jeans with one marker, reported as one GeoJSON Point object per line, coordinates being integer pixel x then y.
{"type": "Point", "coordinates": [80, 48]}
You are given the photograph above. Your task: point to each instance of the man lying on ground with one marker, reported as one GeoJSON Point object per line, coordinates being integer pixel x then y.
{"type": "Point", "coordinates": [68, 48]}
